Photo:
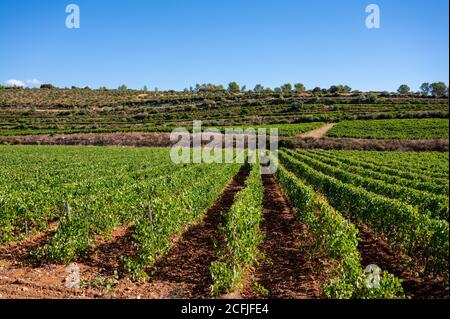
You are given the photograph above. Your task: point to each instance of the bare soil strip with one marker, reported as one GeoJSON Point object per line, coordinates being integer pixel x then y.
{"type": "Point", "coordinates": [308, 140]}
{"type": "Point", "coordinates": [18, 252]}
{"type": "Point", "coordinates": [105, 257]}
{"type": "Point", "coordinates": [287, 272]}
{"type": "Point", "coordinates": [377, 251]}
{"type": "Point", "coordinates": [318, 132]}
{"type": "Point", "coordinates": [331, 143]}
{"type": "Point", "coordinates": [93, 139]}
{"type": "Point", "coordinates": [22, 277]}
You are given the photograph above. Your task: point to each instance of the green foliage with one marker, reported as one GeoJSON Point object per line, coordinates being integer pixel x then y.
{"type": "Point", "coordinates": [337, 239]}
{"type": "Point", "coordinates": [32, 111]}
{"type": "Point", "coordinates": [283, 129]}
{"type": "Point", "coordinates": [258, 88]}
{"type": "Point", "coordinates": [392, 129]}
{"type": "Point", "coordinates": [317, 91]}
{"type": "Point", "coordinates": [174, 206]}
{"type": "Point", "coordinates": [209, 88]}
{"type": "Point", "coordinates": [404, 89]}
{"type": "Point", "coordinates": [439, 89]}
{"type": "Point", "coordinates": [425, 89]}
{"type": "Point", "coordinates": [418, 166]}
{"type": "Point", "coordinates": [104, 188]}
{"type": "Point", "coordinates": [70, 242]}
{"type": "Point", "coordinates": [106, 283]}
{"type": "Point", "coordinates": [225, 276]}
{"type": "Point", "coordinates": [299, 88]}
{"type": "Point", "coordinates": [234, 87]}
{"type": "Point", "coordinates": [339, 89]}
{"type": "Point", "coordinates": [242, 236]}
{"type": "Point", "coordinates": [434, 205]}
{"type": "Point", "coordinates": [381, 173]}
{"type": "Point", "coordinates": [286, 88]}
{"type": "Point", "coordinates": [416, 234]}
{"type": "Point", "coordinates": [47, 86]}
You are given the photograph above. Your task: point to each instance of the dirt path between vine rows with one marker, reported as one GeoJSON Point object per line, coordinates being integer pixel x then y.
{"type": "Point", "coordinates": [183, 273]}
{"type": "Point", "coordinates": [376, 251]}
{"type": "Point", "coordinates": [318, 132]}
{"type": "Point", "coordinates": [287, 271]}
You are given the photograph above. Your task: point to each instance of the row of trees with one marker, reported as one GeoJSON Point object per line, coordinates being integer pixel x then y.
{"type": "Point", "coordinates": [300, 88]}
{"type": "Point", "coordinates": [438, 89]}
{"type": "Point", "coordinates": [426, 89]}
{"type": "Point", "coordinates": [259, 88]}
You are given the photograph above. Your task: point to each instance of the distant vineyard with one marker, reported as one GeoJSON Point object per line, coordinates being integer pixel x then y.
{"type": "Point", "coordinates": [393, 129]}
{"type": "Point", "coordinates": [283, 129]}
{"type": "Point", "coordinates": [51, 111]}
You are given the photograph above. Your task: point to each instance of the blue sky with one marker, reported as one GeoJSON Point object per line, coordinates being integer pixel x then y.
{"type": "Point", "coordinates": [177, 43]}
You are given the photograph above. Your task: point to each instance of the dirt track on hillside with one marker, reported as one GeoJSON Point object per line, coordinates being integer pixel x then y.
{"type": "Point", "coordinates": [317, 133]}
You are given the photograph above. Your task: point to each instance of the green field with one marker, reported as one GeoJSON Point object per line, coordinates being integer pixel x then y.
{"type": "Point", "coordinates": [341, 204]}
{"type": "Point", "coordinates": [52, 111]}
{"type": "Point", "coordinates": [91, 191]}
{"type": "Point", "coordinates": [427, 164]}
{"type": "Point", "coordinates": [94, 190]}
{"type": "Point", "coordinates": [285, 130]}
{"type": "Point", "coordinates": [232, 151]}
{"type": "Point", "coordinates": [408, 207]}
{"type": "Point", "coordinates": [393, 129]}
